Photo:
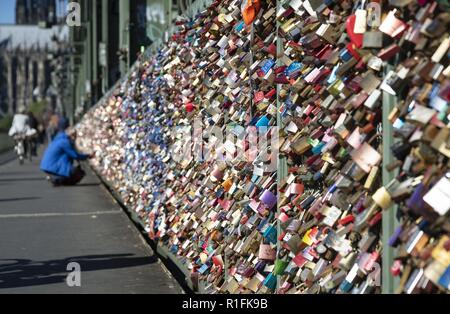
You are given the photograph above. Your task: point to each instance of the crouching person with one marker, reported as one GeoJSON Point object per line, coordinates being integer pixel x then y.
{"type": "Point", "coordinates": [59, 157]}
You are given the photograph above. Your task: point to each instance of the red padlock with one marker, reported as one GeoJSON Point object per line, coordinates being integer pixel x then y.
{"type": "Point", "coordinates": [396, 268]}
{"type": "Point", "coordinates": [190, 107]}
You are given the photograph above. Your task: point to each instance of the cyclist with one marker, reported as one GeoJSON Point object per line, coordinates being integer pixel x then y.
{"type": "Point", "coordinates": [21, 124]}
{"type": "Point", "coordinates": [22, 133]}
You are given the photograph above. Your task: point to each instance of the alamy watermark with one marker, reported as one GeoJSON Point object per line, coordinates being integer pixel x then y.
{"type": "Point", "coordinates": [73, 18]}
{"type": "Point", "coordinates": [74, 277]}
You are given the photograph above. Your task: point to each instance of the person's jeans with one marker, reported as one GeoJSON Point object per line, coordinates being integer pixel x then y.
{"type": "Point", "coordinates": [77, 175]}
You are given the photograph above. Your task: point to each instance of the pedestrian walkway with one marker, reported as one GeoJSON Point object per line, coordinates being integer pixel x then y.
{"type": "Point", "coordinates": [43, 229]}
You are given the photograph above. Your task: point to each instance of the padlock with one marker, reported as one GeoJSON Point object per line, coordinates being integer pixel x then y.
{"type": "Point", "coordinates": [382, 198]}
{"type": "Point", "coordinates": [360, 26]}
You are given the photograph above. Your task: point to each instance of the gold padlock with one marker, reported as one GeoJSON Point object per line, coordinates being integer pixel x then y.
{"type": "Point", "coordinates": [382, 198]}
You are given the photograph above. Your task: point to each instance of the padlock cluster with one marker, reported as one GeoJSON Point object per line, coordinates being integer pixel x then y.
{"type": "Point", "coordinates": [344, 62]}
{"type": "Point", "coordinates": [325, 82]}
{"type": "Point", "coordinates": [216, 216]}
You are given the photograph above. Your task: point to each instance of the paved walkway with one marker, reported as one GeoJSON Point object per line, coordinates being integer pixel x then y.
{"type": "Point", "coordinates": [43, 229]}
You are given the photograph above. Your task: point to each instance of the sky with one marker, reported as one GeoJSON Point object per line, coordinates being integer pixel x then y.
{"type": "Point", "coordinates": [7, 12]}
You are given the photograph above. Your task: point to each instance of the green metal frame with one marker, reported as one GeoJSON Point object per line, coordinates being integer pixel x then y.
{"type": "Point", "coordinates": [282, 162]}
{"type": "Point", "coordinates": [389, 222]}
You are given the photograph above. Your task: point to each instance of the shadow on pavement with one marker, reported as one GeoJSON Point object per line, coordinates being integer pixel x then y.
{"type": "Point", "coordinates": [27, 273]}
{"type": "Point", "coordinates": [5, 200]}
{"type": "Point", "coordinates": [6, 158]}
{"type": "Point", "coordinates": [23, 179]}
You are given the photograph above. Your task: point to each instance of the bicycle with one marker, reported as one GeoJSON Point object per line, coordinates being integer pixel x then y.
{"type": "Point", "coordinates": [23, 147]}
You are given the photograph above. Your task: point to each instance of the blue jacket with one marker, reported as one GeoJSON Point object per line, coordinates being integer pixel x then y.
{"type": "Point", "coordinates": [59, 156]}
